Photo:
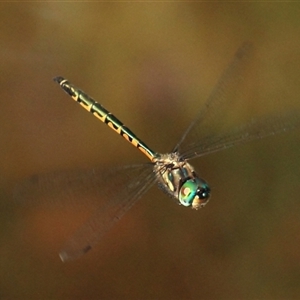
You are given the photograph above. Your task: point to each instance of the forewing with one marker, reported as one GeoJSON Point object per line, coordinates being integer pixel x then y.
{"type": "Point", "coordinates": [211, 116]}
{"type": "Point", "coordinates": [213, 130]}
{"type": "Point", "coordinates": [123, 197]}
{"type": "Point", "coordinates": [117, 190]}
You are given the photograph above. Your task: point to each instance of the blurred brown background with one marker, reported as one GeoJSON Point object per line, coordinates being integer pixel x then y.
{"type": "Point", "coordinates": [152, 65]}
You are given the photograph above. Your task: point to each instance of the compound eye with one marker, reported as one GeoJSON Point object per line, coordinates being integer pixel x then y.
{"type": "Point", "coordinates": [188, 192]}
{"type": "Point", "coordinates": [202, 195]}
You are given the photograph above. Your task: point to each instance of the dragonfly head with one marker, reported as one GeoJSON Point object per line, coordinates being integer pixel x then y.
{"type": "Point", "coordinates": [194, 192]}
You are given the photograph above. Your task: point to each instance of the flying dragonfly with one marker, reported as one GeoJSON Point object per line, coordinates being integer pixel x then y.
{"type": "Point", "coordinates": [173, 173]}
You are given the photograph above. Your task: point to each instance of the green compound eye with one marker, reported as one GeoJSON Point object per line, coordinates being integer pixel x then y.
{"type": "Point", "coordinates": [188, 192]}
{"type": "Point", "coordinates": [194, 192]}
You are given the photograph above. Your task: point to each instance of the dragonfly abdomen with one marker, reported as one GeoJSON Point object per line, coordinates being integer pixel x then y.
{"type": "Point", "coordinates": [104, 116]}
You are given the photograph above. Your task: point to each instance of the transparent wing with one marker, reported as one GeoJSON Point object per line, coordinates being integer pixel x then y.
{"type": "Point", "coordinates": [61, 188]}
{"type": "Point", "coordinates": [255, 129]}
{"type": "Point", "coordinates": [118, 190]}
{"type": "Point", "coordinates": [210, 131]}
{"type": "Point", "coordinates": [124, 197]}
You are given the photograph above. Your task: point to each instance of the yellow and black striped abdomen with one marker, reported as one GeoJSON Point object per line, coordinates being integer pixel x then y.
{"type": "Point", "coordinates": [104, 115]}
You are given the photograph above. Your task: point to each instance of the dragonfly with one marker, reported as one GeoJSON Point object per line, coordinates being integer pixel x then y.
{"type": "Point", "coordinates": [172, 172]}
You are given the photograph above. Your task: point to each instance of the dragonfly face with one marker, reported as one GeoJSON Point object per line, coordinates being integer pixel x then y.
{"type": "Point", "coordinates": [194, 191]}
{"type": "Point", "coordinates": [179, 180]}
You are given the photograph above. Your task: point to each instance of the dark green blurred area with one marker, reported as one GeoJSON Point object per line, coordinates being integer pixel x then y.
{"type": "Point", "coordinates": [153, 65]}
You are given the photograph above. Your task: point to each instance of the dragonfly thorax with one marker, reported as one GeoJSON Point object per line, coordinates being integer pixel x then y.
{"type": "Point", "coordinates": [179, 180]}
